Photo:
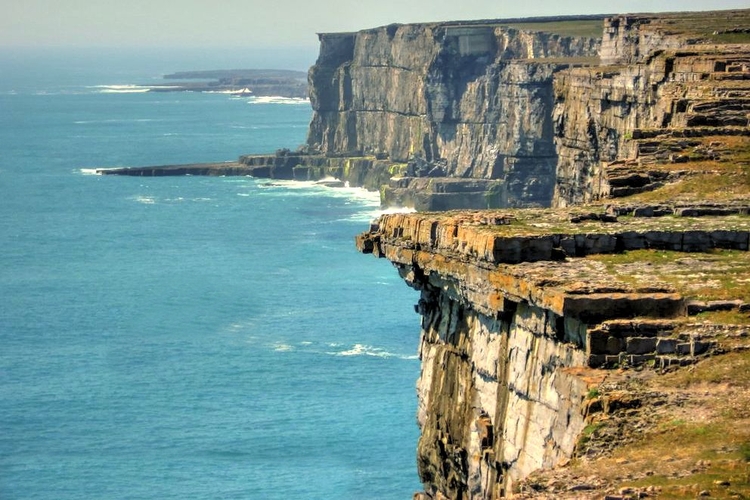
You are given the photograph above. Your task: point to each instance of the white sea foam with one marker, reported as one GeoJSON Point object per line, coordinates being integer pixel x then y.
{"type": "Point", "coordinates": [121, 89]}
{"type": "Point", "coordinates": [90, 171]}
{"type": "Point", "coordinates": [370, 215]}
{"type": "Point", "coordinates": [277, 100]}
{"type": "Point", "coordinates": [282, 347]}
{"type": "Point", "coordinates": [368, 350]}
{"type": "Point", "coordinates": [237, 93]}
{"type": "Point", "coordinates": [146, 200]}
{"type": "Point", "coordinates": [315, 188]}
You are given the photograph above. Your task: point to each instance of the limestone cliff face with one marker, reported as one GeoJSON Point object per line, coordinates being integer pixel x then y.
{"type": "Point", "coordinates": [469, 101]}
{"type": "Point", "coordinates": [495, 401]}
{"type": "Point", "coordinates": [511, 409]}
{"type": "Point", "coordinates": [510, 325]}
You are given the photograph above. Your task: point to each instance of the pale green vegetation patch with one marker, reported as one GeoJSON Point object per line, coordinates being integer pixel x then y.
{"type": "Point", "coordinates": [700, 440]}
{"type": "Point", "coordinates": [717, 275]}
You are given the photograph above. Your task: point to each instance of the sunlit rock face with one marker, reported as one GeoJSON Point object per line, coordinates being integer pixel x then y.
{"type": "Point", "coordinates": [462, 110]}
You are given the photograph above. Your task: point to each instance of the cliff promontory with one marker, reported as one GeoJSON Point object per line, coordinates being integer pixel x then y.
{"type": "Point", "coordinates": [519, 307]}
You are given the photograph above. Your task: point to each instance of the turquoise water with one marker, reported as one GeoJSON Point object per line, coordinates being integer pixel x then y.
{"type": "Point", "coordinates": [188, 337]}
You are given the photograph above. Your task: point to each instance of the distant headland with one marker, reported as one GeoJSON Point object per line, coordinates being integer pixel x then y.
{"type": "Point", "coordinates": [244, 82]}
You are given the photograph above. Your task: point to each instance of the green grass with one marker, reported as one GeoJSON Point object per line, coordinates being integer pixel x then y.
{"type": "Point", "coordinates": [732, 369]}
{"type": "Point", "coordinates": [715, 275]}
{"type": "Point", "coordinates": [704, 445]}
{"type": "Point", "coordinates": [725, 317]}
{"type": "Point", "coordinates": [588, 432]}
{"type": "Point", "coordinates": [731, 38]}
{"type": "Point", "coordinates": [726, 179]}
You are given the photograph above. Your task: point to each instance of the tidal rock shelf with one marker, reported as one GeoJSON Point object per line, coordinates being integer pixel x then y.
{"type": "Point", "coordinates": [212, 169]}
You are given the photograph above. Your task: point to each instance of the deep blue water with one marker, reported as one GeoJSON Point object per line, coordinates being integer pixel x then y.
{"type": "Point", "coordinates": [188, 337]}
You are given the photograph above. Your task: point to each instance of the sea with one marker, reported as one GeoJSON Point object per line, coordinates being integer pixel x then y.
{"type": "Point", "coordinates": [187, 337]}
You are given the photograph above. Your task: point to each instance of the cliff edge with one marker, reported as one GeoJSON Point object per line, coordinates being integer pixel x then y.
{"type": "Point", "coordinates": [525, 312]}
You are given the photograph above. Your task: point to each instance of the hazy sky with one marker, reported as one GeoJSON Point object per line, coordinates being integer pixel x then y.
{"type": "Point", "coordinates": [185, 23]}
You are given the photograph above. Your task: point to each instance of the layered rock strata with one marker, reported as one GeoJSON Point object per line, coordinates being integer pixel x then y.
{"type": "Point", "coordinates": [468, 105]}
{"type": "Point", "coordinates": [515, 304]}
{"type": "Point", "coordinates": [667, 94]}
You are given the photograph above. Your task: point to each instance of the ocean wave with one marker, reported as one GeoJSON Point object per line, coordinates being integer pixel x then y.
{"type": "Point", "coordinates": [89, 171]}
{"type": "Point", "coordinates": [121, 89]}
{"type": "Point", "coordinates": [370, 215]}
{"type": "Point", "coordinates": [270, 99]}
{"type": "Point", "coordinates": [117, 120]}
{"type": "Point", "coordinates": [282, 347]}
{"type": "Point", "coordinates": [239, 93]}
{"type": "Point", "coordinates": [324, 185]}
{"type": "Point", "coordinates": [146, 200]}
{"type": "Point", "coordinates": [368, 350]}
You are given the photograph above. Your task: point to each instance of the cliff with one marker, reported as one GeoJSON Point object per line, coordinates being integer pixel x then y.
{"type": "Point", "coordinates": [597, 349]}
{"type": "Point", "coordinates": [522, 112]}
{"type": "Point", "coordinates": [518, 309]}
{"type": "Point", "coordinates": [463, 110]}
{"type": "Point", "coordinates": [435, 116]}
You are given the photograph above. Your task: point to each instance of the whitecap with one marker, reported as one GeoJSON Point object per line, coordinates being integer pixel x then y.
{"type": "Point", "coordinates": [117, 120]}
{"type": "Point", "coordinates": [282, 347]}
{"type": "Point", "coordinates": [277, 100]}
{"type": "Point", "coordinates": [368, 350]}
{"type": "Point", "coordinates": [363, 350]}
{"type": "Point", "coordinates": [90, 171]}
{"type": "Point", "coordinates": [129, 88]}
{"type": "Point", "coordinates": [146, 200]}
{"type": "Point", "coordinates": [370, 215]}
